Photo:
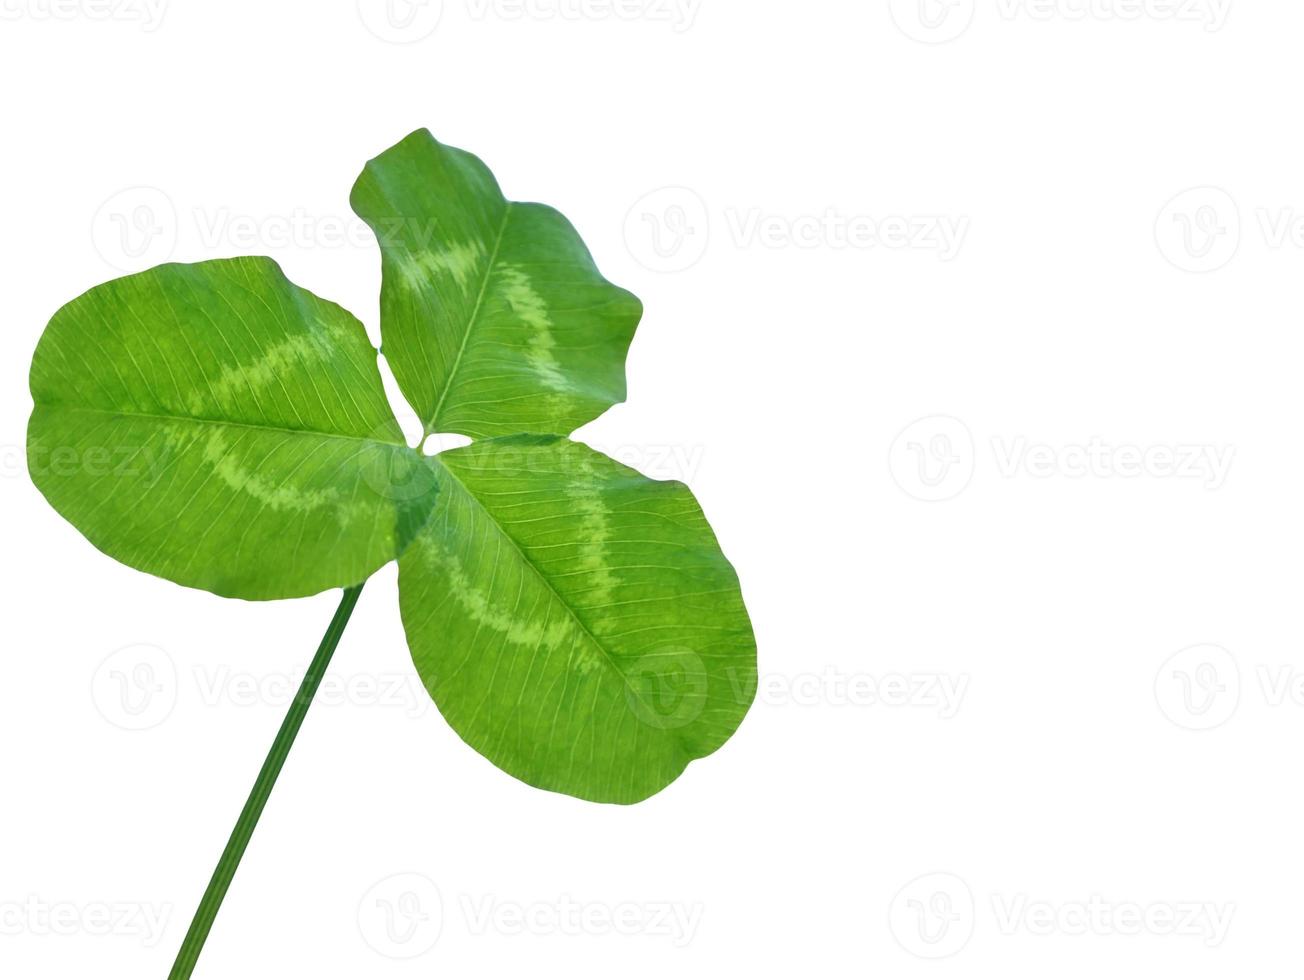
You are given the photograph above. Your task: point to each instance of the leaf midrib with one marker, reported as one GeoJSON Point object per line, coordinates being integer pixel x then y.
{"type": "Point", "coordinates": [547, 583]}
{"type": "Point", "coordinates": [475, 315]}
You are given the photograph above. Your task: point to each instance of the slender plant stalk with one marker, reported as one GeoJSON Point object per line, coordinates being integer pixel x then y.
{"type": "Point", "coordinates": [253, 808]}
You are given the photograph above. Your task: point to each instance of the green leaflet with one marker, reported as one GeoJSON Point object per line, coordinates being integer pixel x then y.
{"type": "Point", "coordinates": [575, 621]}
{"type": "Point", "coordinates": [221, 427]}
{"type": "Point", "coordinates": [494, 317]}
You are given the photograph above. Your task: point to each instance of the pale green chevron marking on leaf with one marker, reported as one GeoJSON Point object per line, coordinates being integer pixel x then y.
{"type": "Point", "coordinates": [540, 344]}
{"type": "Point", "coordinates": [302, 349]}
{"type": "Point", "coordinates": [494, 318]}
{"type": "Point", "coordinates": [416, 269]}
{"type": "Point", "coordinates": [575, 621]}
{"type": "Point", "coordinates": [217, 425]}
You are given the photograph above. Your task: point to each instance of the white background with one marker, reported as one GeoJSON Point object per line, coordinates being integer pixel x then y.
{"type": "Point", "coordinates": [982, 731]}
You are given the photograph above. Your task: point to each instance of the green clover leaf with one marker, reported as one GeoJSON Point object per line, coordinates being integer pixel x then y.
{"type": "Point", "coordinates": [493, 316]}
{"type": "Point", "coordinates": [221, 427]}
{"type": "Point", "coordinates": [575, 621]}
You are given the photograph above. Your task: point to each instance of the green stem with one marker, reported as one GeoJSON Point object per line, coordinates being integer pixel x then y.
{"type": "Point", "coordinates": [253, 808]}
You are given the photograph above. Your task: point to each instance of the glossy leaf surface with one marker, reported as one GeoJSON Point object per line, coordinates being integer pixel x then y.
{"type": "Point", "coordinates": [217, 425]}
{"type": "Point", "coordinates": [494, 318]}
{"type": "Point", "coordinates": [575, 621]}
